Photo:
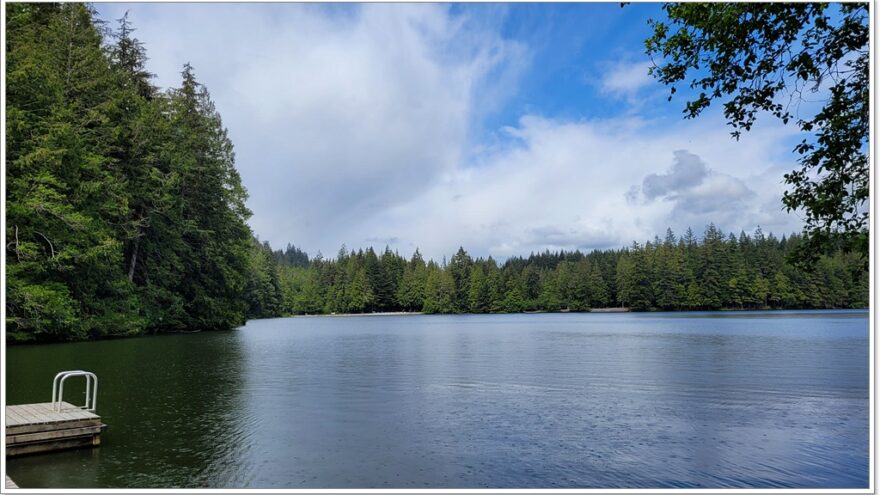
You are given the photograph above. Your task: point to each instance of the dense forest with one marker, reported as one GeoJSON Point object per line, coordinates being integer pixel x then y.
{"type": "Point", "coordinates": [686, 273]}
{"type": "Point", "coordinates": [124, 211]}
{"type": "Point", "coordinates": [125, 215]}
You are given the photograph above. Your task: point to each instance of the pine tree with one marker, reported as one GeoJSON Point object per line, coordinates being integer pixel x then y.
{"type": "Point", "coordinates": [710, 274]}
{"type": "Point", "coordinates": [211, 210]}
{"type": "Point", "coordinates": [460, 270]}
{"type": "Point", "coordinates": [440, 291]}
{"type": "Point", "coordinates": [411, 293]}
{"type": "Point", "coordinates": [479, 297]}
{"type": "Point", "coordinates": [64, 276]}
{"type": "Point", "coordinates": [550, 298]}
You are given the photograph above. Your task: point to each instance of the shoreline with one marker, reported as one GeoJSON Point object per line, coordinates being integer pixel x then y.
{"type": "Point", "coordinates": [380, 313]}
{"type": "Point", "coordinates": [594, 310]}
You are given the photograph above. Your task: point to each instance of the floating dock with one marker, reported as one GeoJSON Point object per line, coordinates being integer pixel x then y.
{"type": "Point", "coordinates": [34, 428]}
{"type": "Point", "coordinates": [56, 425]}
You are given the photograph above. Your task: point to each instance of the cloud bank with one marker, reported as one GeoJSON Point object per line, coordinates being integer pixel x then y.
{"type": "Point", "coordinates": [356, 125]}
{"type": "Point", "coordinates": [569, 185]}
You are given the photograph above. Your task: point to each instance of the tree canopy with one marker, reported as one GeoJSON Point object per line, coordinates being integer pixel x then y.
{"type": "Point", "coordinates": [746, 271]}
{"type": "Point", "coordinates": [768, 58]}
{"type": "Point", "coordinates": [125, 213]}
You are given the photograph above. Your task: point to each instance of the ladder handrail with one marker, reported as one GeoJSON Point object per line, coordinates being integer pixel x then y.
{"type": "Point", "coordinates": [55, 383]}
{"type": "Point", "coordinates": [58, 389]}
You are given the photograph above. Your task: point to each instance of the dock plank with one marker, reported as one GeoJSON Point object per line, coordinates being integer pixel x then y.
{"type": "Point", "coordinates": [10, 483]}
{"type": "Point", "coordinates": [35, 428]}
{"type": "Point", "coordinates": [43, 413]}
{"type": "Point", "coordinates": [30, 414]}
{"type": "Point", "coordinates": [13, 417]}
{"type": "Point", "coordinates": [34, 418]}
{"type": "Point", "coordinates": [27, 415]}
{"type": "Point", "coordinates": [44, 436]}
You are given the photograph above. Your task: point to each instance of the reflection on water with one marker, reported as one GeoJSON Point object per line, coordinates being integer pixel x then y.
{"type": "Point", "coordinates": [565, 400]}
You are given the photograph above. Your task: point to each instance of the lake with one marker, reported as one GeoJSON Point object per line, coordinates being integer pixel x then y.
{"type": "Point", "coordinates": [627, 400]}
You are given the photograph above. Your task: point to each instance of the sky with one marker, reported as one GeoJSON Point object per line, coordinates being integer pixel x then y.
{"type": "Point", "coordinates": [503, 128]}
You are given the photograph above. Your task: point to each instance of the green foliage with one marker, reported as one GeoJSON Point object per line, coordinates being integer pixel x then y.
{"type": "Point", "coordinates": [63, 196]}
{"type": "Point", "coordinates": [715, 272]}
{"type": "Point", "coordinates": [262, 291]}
{"type": "Point", "coordinates": [762, 58]}
{"type": "Point", "coordinates": [411, 292]}
{"type": "Point", "coordinates": [479, 292]}
{"type": "Point", "coordinates": [440, 292]}
{"type": "Point", "coordinates": [124, 210]}
{"type": "Point", "coordinates": [460, 269]}
{"type": "Point", "coordinates": [513, 302]}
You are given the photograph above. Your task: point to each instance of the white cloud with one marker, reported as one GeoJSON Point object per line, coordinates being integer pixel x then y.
{"type": "Point", "coordinates": [687, 172]}
{"type": "Point", "coordinates": [564, 185]}
{"type": "Point", "coordinates": [697, 191]}
{"type": "Point", "coordinates": [625, 79]}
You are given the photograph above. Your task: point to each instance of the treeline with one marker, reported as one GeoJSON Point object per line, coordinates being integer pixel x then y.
{"type": "Point", "coordinates": [124, 211]}
{"type": "Point", "coordinates": [714, 272]}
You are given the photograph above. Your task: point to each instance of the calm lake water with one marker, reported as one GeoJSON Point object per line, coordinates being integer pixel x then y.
{"type": "Point", "coordinates": [758, 399]}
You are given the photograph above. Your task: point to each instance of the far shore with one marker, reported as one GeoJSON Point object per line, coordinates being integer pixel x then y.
{"type": "Point", "coordinates": [410, 313]}
{"type": "Point", "coordinates": [381, 313]}
{"type": "Point", "coordinates": [564, 311]}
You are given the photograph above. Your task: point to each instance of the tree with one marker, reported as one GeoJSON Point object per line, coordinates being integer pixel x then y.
{"type": "Point", "coordinates": [358, 294]}
{"type": "Point", "coordinates": [514, 301]}
{"type": "Point", "coordinates": [531, 285]}
{"type": "Point", "coordinates": [634, 285]}
{"type": "Point", "coordinates": [761, 58]}
{"type": "Point", "coordinates": [711, 269]}
{"type": "Point", "coordinates": [479, 295]}
{"type": "Point", "coordinates": [496, 287]}
{"type": "Point", "coordinates": [210, 211]}
{"type": "Point", "coordinates": [392, 268]}
{"type": "Point", "coordinates": [669, 285]}
{"type": "Point", "coordinates": [439, 291]}
{"type": "Point", "coordinates": [261, 293]}
{"type": "Point", "coordinates": [64, 257]}
{"type": "Point", "coordinates": [460, 269]}
{"type": "Point", "coordinates": [411, 293]}
{"type": "Point", "coordinates": [598, 288]}
{"type": "Point", "coordinates": [136, 145]}
{"type": "Point", "coordinates": [309, 299]}
{"type": "Point", "coordinates": [550, 297]}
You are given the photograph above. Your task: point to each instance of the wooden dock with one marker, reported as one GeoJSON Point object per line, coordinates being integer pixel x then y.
{"type": "Point", "coordinates": [10, 483]}
{"type": "Point", "coordinates": [35, 428]}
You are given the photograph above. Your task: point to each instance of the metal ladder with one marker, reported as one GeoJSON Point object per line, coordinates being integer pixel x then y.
{"type": "Point", "coordinates": [58, 389]}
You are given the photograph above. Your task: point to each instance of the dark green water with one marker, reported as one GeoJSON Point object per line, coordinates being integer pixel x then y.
{"type": "Point", "coordinates": [559, 400]}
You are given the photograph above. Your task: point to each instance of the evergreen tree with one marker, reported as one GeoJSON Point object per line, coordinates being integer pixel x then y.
{"type": "Point", "coordinates": [514, 299]}
{"type": "Point", "coordinates": [479, 295]}
{"type": "Point", "coordinates": [440, 291]}
{"type": "Point", "coordinates": [460, 269]}
{"type": "Point", "coordinates": [411, 293]}
{"type": "Point", "coordinates": [211, 210]}
{"type": "Point", "coordinates": [64, 277]}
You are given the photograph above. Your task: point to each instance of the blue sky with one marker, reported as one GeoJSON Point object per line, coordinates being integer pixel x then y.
{"type": "Point", "coordinates": [572, 44]}
{"type": "Point", "coordinates": [504, 128]}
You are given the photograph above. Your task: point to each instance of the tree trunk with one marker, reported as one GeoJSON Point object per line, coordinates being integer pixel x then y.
{"type": "Point", "coordinates": [134, 257]}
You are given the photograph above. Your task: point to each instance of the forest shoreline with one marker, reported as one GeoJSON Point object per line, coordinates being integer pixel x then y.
{"type": "Point", "coordinates": [595, 310]}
